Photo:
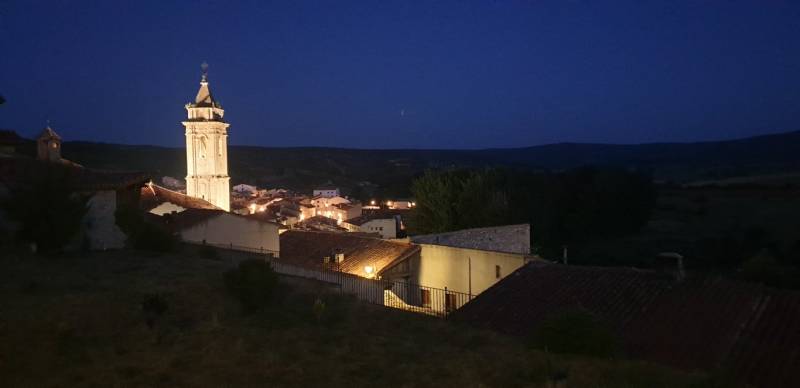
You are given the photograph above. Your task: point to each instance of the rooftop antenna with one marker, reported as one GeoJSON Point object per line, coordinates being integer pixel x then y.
{"type": "Point", "coordinates": [204, 68]}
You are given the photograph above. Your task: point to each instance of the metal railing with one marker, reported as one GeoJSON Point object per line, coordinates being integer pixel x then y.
{"type": "Point", "coordinates": [231, 246]}
{"type": "Point", "coordinates": [439, 302]}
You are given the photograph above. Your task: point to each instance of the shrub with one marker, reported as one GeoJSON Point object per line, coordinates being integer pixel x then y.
{"type": "Point", "coordinates": [142, 234]}
{"type": "Point", "coordinates": [253, 283]}
{"type": "Point", "coordinates": [153, 307]}
{"type": "Point", "coordinates": [575, 332]}
{"type": "Point", "coordinates": [208, 252]}
{"type": "Point", "coordinates": [318, 309]}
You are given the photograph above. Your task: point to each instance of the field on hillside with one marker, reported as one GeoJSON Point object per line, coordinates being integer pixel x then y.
{"type": "Point", "coordinates": [78, 321]}
{"type": "Point", "coordinates": [705, 223]}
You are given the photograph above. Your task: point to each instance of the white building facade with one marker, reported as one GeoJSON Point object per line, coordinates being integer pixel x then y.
{"type": "Point", "coordinates": [207, 149]}
{"type": "Point", "coordinates": [327, 192]}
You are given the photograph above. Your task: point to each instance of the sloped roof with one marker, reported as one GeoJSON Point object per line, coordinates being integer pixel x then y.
{"type": "Point", "coordinates": [190, 217]}
{"type": "Point", "coordinates": [308, 248]}
{"type": "Point", "coordinates": [320, 223]}
{"type": "Point", "coordinates": [153, 195]}
{"type": "Point", "coordinates": [366, 217]}
{"type": "Point", "coordinates": [506, 238]}
{"type": "Point", "coordinates": [698, 323]}
{"type": "Point", "coordinates": [48, 133]}
{"type": "Point", "coordinates": [204, 97]}
{"type": "Point", "coordinates": [540, 289]}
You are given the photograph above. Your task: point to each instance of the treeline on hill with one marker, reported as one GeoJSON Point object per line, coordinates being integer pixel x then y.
{"type": "Point", "coordinates": [563, 208]}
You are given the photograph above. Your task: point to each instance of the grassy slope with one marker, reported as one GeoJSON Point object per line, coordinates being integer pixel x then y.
{"type": "Point", "coordinates": [77, 321]}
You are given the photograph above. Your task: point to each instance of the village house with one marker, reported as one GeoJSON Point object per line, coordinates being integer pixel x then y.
{"type": "Point", "coordinates": [326, 191]}
{"type": "Point", "coordinates": [320, 223]}
{"type": "Point", "coordinates": [466, 261]}
{"type": "Point", "coordinates": [400, 204]}
{"type": "Point", "coordinates": [160, 201]}
{"type": "Point", "coordinates": [322, 201]}
{"type": "Point", "coordinates": [219, 228]}
{"type": "Point", "coordinates": [340, 212]}
{"type": "Point", "coordinates": [386, 225]}
{"type": "Point", "coordinates": [343, 252]}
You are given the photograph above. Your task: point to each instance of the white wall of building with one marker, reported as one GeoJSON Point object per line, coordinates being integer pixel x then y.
{"type": "Point", "coordinates": [327, 192]}
{"type": "Point", "coordinates": [386, 227]}
{"type": "Point", "coordinates": [458, 269]}
{"type": "Point", "coordinates": [329, 201]}
{"type": "Point", "coordinates": [226, 229]}
{"type": "Point", "coordinates": [100, 222]}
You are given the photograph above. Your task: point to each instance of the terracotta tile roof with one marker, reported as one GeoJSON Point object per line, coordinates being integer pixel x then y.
{"type": "Point", "coordinates": [320, 223]}
{"type": "Point", "coordinates": [699, 323]}
{"type": "Point", "coordinates": [517, 303]}
{"type": "Point", "coordinates": [768, 353]}
{"type": "Point", "coordinates": [154, 195]}
{"type": "Point", "coordinates": [364, 218]}
{"type": "Point", "coordinates": [307, 248]}
{"type": "Point", "coordinates": [505, 238]}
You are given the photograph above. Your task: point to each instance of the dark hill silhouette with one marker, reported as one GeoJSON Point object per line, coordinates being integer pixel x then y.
{"type": "Point", "coordinates": [304, 167]}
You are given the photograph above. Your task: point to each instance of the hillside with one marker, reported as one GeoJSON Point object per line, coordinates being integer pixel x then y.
{"type": "Point", "coordinates": [392, 170]}
{"type": "Point", "coordinates": [79, 321]}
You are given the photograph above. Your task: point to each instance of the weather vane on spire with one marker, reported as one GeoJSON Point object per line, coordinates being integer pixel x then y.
{"type": "Point", "coordinates": [204, 68]}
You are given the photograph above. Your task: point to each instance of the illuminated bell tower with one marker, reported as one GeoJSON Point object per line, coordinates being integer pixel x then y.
{"type": "Point", "coordinates": [207, 148]}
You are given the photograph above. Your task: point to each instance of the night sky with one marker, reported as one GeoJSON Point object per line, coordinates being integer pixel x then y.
{"type": "Point", "coordinates": [406, 74]}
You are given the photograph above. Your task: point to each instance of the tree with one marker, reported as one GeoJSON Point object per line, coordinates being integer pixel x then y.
{"type": "Point", "coordinates": [47, 208]}
{"type": "Point", "coordinates": [563, 208]}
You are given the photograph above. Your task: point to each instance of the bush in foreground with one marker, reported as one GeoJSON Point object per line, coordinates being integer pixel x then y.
{"type": "Point", "coordinates": [142, 234]}
{"type": "Point", "coordinates": [253, 283]}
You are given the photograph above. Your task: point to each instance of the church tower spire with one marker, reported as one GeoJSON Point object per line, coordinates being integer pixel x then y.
{"type": "Point", "coordinates": [207, 148]}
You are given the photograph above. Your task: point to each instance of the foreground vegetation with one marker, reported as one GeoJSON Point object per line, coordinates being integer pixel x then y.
{"type": "Point", "coordinates": [139, 319]}
{"type": "Point", "coordinates": [564, 208]}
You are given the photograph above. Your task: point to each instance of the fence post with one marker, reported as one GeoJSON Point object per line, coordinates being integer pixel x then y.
{"type": "Point", "coordinates": [445, 302]}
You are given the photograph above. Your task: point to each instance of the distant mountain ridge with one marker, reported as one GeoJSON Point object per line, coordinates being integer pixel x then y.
{"type": "Point", "coordinates": [304, 167]}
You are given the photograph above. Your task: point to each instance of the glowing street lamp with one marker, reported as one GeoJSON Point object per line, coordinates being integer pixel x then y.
{"type": "Point", "coordinates": [369, 270]}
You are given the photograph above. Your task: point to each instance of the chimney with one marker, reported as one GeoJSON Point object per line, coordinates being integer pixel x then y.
{"type": "Point", "coordinates": [671, 262]}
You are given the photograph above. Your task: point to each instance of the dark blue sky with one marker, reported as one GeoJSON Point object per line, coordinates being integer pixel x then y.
{"type": "Point", "coordinates": [433, 74]}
